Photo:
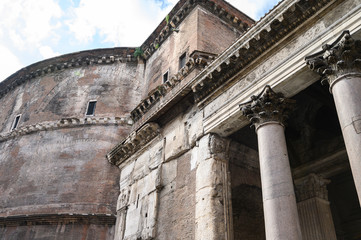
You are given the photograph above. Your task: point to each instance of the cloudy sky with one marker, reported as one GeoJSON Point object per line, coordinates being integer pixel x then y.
{"type": "Point", "coordinates": [33, 30]}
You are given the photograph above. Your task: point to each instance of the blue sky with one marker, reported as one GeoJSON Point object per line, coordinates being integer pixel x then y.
{"type": "Point", "coordinates": [34, 30]}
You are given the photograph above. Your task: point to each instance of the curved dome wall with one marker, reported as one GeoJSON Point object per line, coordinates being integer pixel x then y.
{"type": "Point", "coordinates": [54, 162]}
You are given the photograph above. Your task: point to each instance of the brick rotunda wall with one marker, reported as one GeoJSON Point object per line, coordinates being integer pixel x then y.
{"type": "Point", "coordinates": [55, 181]}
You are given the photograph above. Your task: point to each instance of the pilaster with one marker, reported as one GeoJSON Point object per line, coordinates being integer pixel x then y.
{"type": "Point", "coordinates": [314, 209]}
{"type": "Point", "coordinates": [213, 199]}
{"type": "Point", "coordinates": [122, 208]}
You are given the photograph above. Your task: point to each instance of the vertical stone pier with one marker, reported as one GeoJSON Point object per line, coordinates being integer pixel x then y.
{"type": "Point", "coordinates": [122, 208]}
{"type": "Point", "coordinates": [212, 190]}
{"type": "Point", "coordinates": [340, 65]}
{"type": "Point", "coordinates": [314, 209]}
{"type": "Point", "coordinates": [267, 112]}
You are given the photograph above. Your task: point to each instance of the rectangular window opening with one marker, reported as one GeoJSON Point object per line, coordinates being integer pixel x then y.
{"type": "Point", "coordinates": [91, 108]}
{"type": "Point", "coordinates": [165, 77]}
{"type": "Point", "coordinates": [16, 122]}
{"type": "Point", "coordinates": [182, 60]}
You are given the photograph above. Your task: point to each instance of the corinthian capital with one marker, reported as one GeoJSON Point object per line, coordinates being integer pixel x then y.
{"type": "Point", "coordinates": [312, 186]}
{"type": "Point", "coordinates": [268, 106]}
{"type": "Point", "coordinates": [337, 59]}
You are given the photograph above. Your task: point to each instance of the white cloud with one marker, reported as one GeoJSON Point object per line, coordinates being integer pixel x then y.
{"type": "Point", "coordinates": [253, 8]}
{"type": "Point", "coordinates": [123, 23]}
{"type": "Point", "coordinates": [34, 29]}
{"type": "Point", "coordinates": [130, 22]}
{"type": "Point", "coordinates": [28, 22]}
{"type": "Point", "coordinates": [47, 52]}
{"type": "Point", "coordinates": [9, 63]}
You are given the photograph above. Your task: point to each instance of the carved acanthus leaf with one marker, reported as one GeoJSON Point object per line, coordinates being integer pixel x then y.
{"type": "Point", "coordinates": [266, 107]}
{"type": "Point", "coordinates": [339, 58]}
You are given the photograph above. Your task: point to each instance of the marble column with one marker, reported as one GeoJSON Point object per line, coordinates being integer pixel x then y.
{"type": "Point", "coordinates": [314, 209]}
{"type": "Point", "coordinates": [340, 65]}
{"type": "Point", "coordinates": [268, 112]}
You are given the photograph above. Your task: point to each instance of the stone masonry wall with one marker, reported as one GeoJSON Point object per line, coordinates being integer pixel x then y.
{"type": "Point", "coordinates": [178, 185]}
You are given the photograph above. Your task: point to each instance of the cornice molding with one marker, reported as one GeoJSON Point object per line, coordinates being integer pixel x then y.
{"type": "Point", "coordinates": [268, 106]}
{"type": "Point", "coordinates": [55, 219]}
{"type": "Point", "coordinates": [279, 22]}
{"type": "Point", "coordinates": [222, 9]}
{"type": "Point", "coordinates": [133, 143]}
{"type": "Point", "coordinates": [342, 57]}
{"type": "Point", "coordinates": [198, 61]}
{"type": "Point", "coordinates": [68, 61]}
{"type": "Point", "coordinates": [65, 123]}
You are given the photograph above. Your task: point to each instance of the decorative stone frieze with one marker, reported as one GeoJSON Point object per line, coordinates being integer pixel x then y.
{"type": "Point", "coordinates": [340, 58]}
{"type": "Point", "coordinates": [268, 106]}
{"type": "Point", "coordinates": [65, 123]}
{"type": "Point", "coordinates": [312, 186]}
{"type": "Point", "coordinates": [155, 95]}
{"type": "Point", "coordinates": [253, 43]}
{"type": "Point", "coordinates": [133, 143]}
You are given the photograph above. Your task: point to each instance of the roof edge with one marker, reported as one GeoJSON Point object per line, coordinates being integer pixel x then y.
{"type": "Point", "coordinates": [70, 60]}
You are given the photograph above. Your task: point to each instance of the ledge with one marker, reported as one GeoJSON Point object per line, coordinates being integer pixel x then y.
{"type": "Point", "coordinates": [198, 60]}
{"type": "Point", "coordinates": [222, 9]}
{"type": "Point", "coordinates": [279, 22]}
{"type": "Point", "coordinates": [55, 219]}
{"type": "Point", "coordinates": [65, 123]}
{"type": "Point", "coordinates": [72, 60]}
{"type": "Point", "coordinates": [133, 143]}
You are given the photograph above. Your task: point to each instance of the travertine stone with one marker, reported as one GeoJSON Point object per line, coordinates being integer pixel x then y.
{"type": "Point", "coordinates": [340, 64]}
{"type": "Point", "coordinates": [133, 143]}
{"type": "Point", "coordinates": [211, 176]}
{"type": "Point", "coordinates": [314, 209]}
{"type": "Point", "coordinates": [176, 139]}
{"type": "Point", "coordinates": [122, 207]}
{"type": "Point", "coordinates": [267, 112]}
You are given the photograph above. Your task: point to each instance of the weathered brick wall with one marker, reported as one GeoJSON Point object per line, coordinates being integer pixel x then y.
{"type": "Point", "coordinates": [66, 93]}
{"type": "Point", "coordinates": [54, 162]}
{"type": "Point", "coordinates": [166, 57]}
{"type": "Point", "coordinates": [59, 231]}
{"type": "Point", "coordinates": [202, 31]}
{"type": "Point", "coordinates": [214, 35]}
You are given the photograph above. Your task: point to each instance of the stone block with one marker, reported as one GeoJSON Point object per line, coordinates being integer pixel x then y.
{"type": "Point", "coordinates": [176, 139]}
{"type": "Point", "coordinates": [194, 126]}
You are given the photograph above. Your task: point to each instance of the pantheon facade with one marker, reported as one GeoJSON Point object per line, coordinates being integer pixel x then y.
{"type": "Point", "coordinates": [216, 127]}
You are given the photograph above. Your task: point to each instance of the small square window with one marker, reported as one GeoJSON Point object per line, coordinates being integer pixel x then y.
{"type": "Point", "coordinates": [182, 60]}
{"type": "Point", "coordinates": [91, 108]}
{"type": "Point", "coordinates": [165, 77]}
{"type": "Point", "coordinates": [15, 122]}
